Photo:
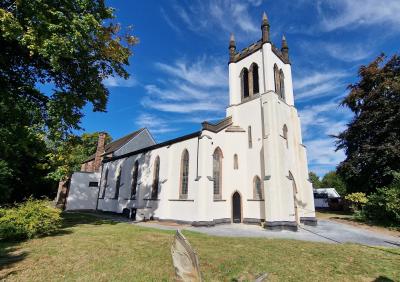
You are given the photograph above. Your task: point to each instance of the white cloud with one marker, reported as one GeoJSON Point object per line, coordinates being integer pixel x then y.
{"type": "Point", "coordinates": [222, 15]}
{"type": "Point", "coordinates": [112, 81]}
{"type": "Point", "coordinates": [155, 124]}
{"type": "Point", "coordinates": [318, 84]}
{"type": "Point", "coordinates": [354, 13]}
{"type": "Point", "coordinates": [189, 88]}
{"type": "Point", "coordinates": [321, 152]}
{"type": "Point", "coordinates": [348, 53]}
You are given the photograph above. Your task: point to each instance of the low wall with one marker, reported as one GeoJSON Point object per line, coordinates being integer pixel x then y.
{"type": "Point", "coordinates": [83, 191]}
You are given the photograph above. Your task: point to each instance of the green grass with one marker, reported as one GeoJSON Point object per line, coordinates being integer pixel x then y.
{"type": "Point", "coordinates": [90, 249]}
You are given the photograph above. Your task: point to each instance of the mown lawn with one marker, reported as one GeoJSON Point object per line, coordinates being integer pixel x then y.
{"type": "Point", "coordinates": [90, 249]}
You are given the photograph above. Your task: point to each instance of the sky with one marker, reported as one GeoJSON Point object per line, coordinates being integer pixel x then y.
{"type": "Point", "coordinates": [179, 70]}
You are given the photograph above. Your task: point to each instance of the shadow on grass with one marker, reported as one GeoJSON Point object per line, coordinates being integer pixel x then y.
{"type": "Point", "coordinates": [383, 279]}
{"type": "Point", "coordinates": [9, 256]}
{"type": "Point", "coordinates": [10, 250]}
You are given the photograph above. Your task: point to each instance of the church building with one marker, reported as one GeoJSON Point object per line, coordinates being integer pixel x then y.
{"type": "Point", "coordinates": [250, 167]}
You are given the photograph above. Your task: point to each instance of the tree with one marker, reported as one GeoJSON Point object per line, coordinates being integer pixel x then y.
{"type": "Point", "coordinates": [314, 178]}
{"type": "Point", "coordinates": [67, 157]}
{"type": "Point", "coordinates": [67, 47]}
{"type": "Point", "coordinates": [371, 141]}
{"type": "Point", "coordinates": [333, 180]}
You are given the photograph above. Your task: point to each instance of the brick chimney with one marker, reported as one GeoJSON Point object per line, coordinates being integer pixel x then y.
{"type": "Point", "coordinates": [99, 151]}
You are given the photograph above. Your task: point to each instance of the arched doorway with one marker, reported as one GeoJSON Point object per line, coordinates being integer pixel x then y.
{"type": "Point", "coordinates": [236, 208]}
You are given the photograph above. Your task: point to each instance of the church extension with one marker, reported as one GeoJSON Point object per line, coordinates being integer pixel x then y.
{"type": "Point", "coordinates": [250, 167]}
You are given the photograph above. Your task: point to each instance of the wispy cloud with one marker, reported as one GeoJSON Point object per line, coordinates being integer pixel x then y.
{"type": "Point", "coordinates": [354, 13]}
{"type": "Point", "coordinates": [155, 124]}
{"type": "Point", "coordinates": [189, 88]}
{"type": "Point", "coordinates": [112, 81]}
{"type": "Point", "coordinates": [318, 84]}
{"type": "Point", "coordinates": [209, 16]}
{"type": "Point", "coordinates": [348, 53]}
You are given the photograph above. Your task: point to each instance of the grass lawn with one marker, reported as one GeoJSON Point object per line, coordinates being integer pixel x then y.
{"type": "Point", "coordinates": [91, 249]}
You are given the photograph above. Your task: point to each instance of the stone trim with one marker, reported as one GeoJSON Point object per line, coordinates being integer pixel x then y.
{"type": "Point", "coordinates": [217, 126]}
{"type": "Point", "coordinates": [180, 200]}
{"type": "Point", "coordinates": [219, 200]}
{"type": "Point", "coordinates": [312, 221]}
{"type": "Point", "coordinates": [281, 225]}
{"type": "Point", "coordinates": [254, 221]}
{"type": "Point", "coordinates": [255, 200]}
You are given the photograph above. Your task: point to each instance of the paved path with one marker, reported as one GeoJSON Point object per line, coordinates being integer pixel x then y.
{"type": "Point", "coordinates": [326, 231]}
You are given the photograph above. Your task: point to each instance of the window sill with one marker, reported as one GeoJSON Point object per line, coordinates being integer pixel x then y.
{"type": "Point", "coordinates": [255, 200]}
{"type": "Point", "coordinates": [150, 199]}
{"type": "Point", "coordinates": [181, 200]}
{"type": "Point", "coordinates": [219, 200]}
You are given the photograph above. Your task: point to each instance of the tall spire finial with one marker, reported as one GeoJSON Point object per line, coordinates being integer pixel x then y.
{"type": "Point", "coordinates": [285, 48]}
{"type": "Point", "coordinates": [265, 28]}
{"type": "Point", "coordinates": [232, 48]}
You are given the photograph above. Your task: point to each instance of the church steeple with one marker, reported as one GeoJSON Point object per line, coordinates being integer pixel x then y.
{"type": "Point", "coordinates": [285, 48]}
{"type": "Point", "coordinates": [232, 48]}
{"type": "Point", "coordinates": [265, 28]}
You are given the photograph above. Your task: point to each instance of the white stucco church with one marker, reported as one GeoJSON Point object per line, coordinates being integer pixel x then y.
{"type": "Point", "coordinates": [250, 167]}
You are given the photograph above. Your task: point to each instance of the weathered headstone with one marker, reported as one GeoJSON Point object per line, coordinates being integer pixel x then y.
{"type": "Point", "coordinates": [185, 259]}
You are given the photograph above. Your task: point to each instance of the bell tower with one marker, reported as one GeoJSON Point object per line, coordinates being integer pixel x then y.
{"type": "Point", "coordinates": [261, 103]}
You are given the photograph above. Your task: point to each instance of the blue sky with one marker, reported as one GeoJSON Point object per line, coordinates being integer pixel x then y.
{"type": "Point", "coordinates": [179, 69]}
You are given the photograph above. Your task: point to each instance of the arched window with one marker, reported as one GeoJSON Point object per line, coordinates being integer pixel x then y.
{"type": "Point", "coordinates": [250, 138]}
{"type": "Point", "coordinates": [184, 175]}
{"type": "Point", "coordinates": [156, 176]}
{"type": "Point", "coordinates": [277, 80]}
{"type": "Point", "coordinates": [135, 174]}
{"type": "Point", "coordinates": [235, 161]}
{"type": "Point", "coordinates": [285, 134]}
{"type": "Point", "coordinates": [105, 184]}
{"type": "Point", "coordinates": [217, 173]}
{"type": "Point", "coordinates": [257, 190]}
{"type": "Point", "coordinates": [282, 84]}
{"type": "Point", "coordinates": [256, 85]}
{"type": "Point", "coordinates": [118, 183]}
{"type": "Point", "coordinates": [244, 76]}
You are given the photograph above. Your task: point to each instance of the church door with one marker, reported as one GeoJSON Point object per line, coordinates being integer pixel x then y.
{"type": "Point", "coordinates": [236, 208]}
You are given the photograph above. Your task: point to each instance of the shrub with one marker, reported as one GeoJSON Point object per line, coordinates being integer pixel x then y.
{"type": "Point", "coordinates": [357, 200]}
{"type": "Point", "coordinates": [384, 204]}
{"type": "Point", "coordinates": [30, 219]}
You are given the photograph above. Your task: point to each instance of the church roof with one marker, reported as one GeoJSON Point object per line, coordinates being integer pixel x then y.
{"type": "Point", "coordinates": [115, 145]}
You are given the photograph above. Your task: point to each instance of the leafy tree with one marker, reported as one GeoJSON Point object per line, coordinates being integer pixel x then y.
{"type": "Point", "coordinates": [371, 141]}
{"type": "Point", "coordinates": [67, 47]}
{"type": "Point", "coordinates": [314, 178]}
{"type": "Point", "coordinates": [333, 180]}
{"type": "Point", "coordinates": [68, 156]}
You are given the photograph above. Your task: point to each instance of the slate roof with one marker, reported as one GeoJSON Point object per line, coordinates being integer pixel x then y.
{"type": "Point", "coordinates": [115, 145]}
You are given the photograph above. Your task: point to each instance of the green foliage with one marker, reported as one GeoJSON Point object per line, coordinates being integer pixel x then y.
{"type": "Point", "coordinates": [54, 58]}
{"type": "Point", "coordinates": [358, 200]}
{"type": "Point", "coordinates": [384, 204]}
{"type": "Point", "coordinates": [333, 180]}
{"type": "Point", "coordinates": [371, 141]}
{"type": "Point", "coordinates": [29, 219]}
{"type": "Point", "coordinates": [314, 179]}
{"type": "Point", "coordinates": [67, 157]}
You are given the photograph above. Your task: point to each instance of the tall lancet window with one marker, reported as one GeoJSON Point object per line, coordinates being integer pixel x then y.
{"type": "Point", "coordinates": [105, 184]}
{"type": "Point", "coordinates": [244, 77]}
{"type": "Point", "coordinates": [282, 84]}
{"type": "Point", "coordinates": [135, 174]}
{"type": "Point", "coordinates": [217, 173]}
{"type": "Point", "coordinates": [184, 175]}
{"type": "Point", "coordinates": [118, 183]}
{"type": "Point", "coordinates": [257, 189]}
{"type": "Point", "coordinates": [277, 80]}
{"type": "Point", "coordinates": [156, 176]}
{"type": "Point", "coordinates": [285, 134]}
{"type": "Point", "coordinates": [250, 137]}
{"type": "Point", "coordinates": [235, 161]}
{"type": "Point", "coordinates": [256, 84]}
